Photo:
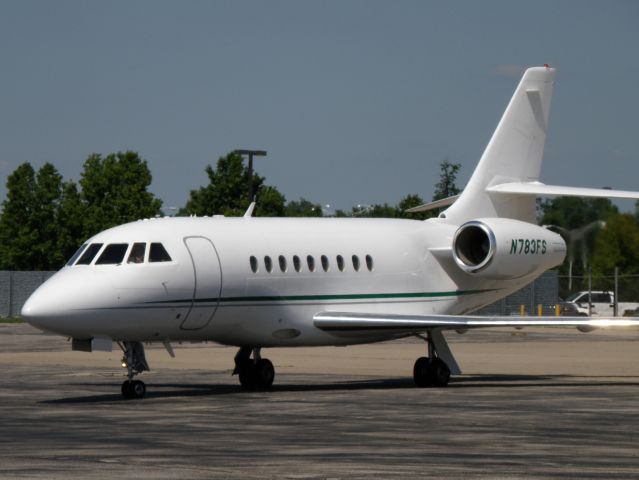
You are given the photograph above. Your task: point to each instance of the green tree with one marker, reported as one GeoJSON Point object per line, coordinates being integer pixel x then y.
{"type": "Point", "coordinates": [269, 202]}
{"type": "Point", "coordinates": [115, 191]}
{"type": "Point", "coordinates": [227, 192]}
{"type": "Point", "coordinates": [617, 245]}
{"type": "Point", "coordinates": [410, 201]}
{"type": "Point", "coordinates": [446, 186]}
{"type": "Point", "coordinates": [575, 212]}
{"type": "Point", "coordinates": [70, 221]}
{"type": "Point", "coordinates": [29, 227]}
{"type": "Point", "coordinates": [576, 219]}
{"type": "Point", "coordinates": [303, 208]}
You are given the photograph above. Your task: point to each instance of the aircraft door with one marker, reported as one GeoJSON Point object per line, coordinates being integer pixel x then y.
{"type": "Point", "coordinates": [207, 283]}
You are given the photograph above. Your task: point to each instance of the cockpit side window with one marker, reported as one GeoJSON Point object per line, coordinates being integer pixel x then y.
{"type": "Point", "coordinates": [137, 253]}
{"type": "Point", "coordinates": [76, 254]}
{"type": "Point", "coordinates": [113, 254]}
{"type": "Point", "coordinates": [89, 254]}
{"type": "Point", "coordinates": [158, 253]}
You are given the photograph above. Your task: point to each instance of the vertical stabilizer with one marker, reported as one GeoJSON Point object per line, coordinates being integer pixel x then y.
{"type": "Point", "coordinates": [514, 153]}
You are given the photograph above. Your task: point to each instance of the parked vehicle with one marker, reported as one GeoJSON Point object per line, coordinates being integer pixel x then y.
{"type": "Point", "coordinates": [602, 303]}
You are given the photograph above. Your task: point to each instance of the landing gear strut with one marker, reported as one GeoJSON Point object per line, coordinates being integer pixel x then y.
{"type": "Point", "coordinates": [135, 362]}
{"type": "Point", "coordinates": [431, 371]}
{"type": "Point", "coordinates": [256, 372]}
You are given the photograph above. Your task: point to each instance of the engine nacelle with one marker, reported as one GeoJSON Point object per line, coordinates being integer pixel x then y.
{"type": "Point", "coordinates": [501, 248]}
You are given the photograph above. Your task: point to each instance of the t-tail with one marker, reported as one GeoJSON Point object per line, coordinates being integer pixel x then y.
{"type": "Point", "coordinates": [505, 183]}
{"type": "Point", "coordinates": [514, 153]}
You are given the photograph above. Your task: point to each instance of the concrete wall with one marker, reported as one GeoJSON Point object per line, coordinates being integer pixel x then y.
{"type": "Point", "coordinates": [15, 288]}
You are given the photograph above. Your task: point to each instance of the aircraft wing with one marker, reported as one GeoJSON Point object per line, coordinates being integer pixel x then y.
{"type": "Point", "coordinates": [352, 323]}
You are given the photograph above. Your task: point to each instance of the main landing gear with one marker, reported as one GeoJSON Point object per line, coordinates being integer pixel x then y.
{"type": "Point", "coordinates": [256, 372]}
{"type": "Point", "coordinates": [435, 370]}
{"type": "Point", "coordinates": [431, 372]}
{"type": "Point", "coordinates": [135, 362]}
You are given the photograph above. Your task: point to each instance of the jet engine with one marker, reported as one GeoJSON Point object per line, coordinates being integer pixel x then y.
{"type": "Point", "coordinates": [501, 248]}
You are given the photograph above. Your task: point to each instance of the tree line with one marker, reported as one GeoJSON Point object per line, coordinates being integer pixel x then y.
{"type": "Point", "coordinates": [45, 218]}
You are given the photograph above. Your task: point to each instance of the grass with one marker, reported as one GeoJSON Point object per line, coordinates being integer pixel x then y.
{"type": "Point", "coordinates": [11, 320]}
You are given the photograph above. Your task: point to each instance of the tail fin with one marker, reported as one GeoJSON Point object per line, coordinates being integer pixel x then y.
{"type": "Point", "coordinates": [514, 154]}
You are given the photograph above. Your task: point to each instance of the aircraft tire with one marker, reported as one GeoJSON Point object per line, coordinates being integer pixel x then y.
{"type": "Point", "coordinates": [264, 373]}
{"type": "Point", "coordinates": [138, 388]}
{"type": "Point", "coordinates": [247, 375]}
{"type": "Point", "coordinates": [133, 389]}
{"type": "Point", "coordinates": [126, 389]}
{"type": "Point", "coordinates": [257, 375]}
{"type": "Point", "coordinates": [422, 372]}
{"type": "Point", "coordinates": [440, 373]}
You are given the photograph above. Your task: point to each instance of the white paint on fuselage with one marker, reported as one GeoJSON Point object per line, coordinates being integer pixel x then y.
{"type": "Point", "coordinates": [151, 301]}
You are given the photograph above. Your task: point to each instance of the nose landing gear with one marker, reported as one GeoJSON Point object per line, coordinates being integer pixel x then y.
{"type": "Point", "coordinates": [134, 361]}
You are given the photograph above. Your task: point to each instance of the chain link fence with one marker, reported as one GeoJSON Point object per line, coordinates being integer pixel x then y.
{"type": "Point", "coordinates": [603, 290]}
{"type": "Point", "coordinates": [537, 298]}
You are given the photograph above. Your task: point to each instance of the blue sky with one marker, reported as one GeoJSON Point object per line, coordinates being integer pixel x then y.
{"type": "Point", "coordinates": [356, 102]}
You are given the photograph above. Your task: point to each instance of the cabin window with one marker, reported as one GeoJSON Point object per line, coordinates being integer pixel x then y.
{"type": "Point", "coordinates": [324, 260]}
{"type": "Point", "coordinates": [310, 261]}
{"type": "Point", "coordinates": [268, 264]}
{"type": "Point", "coordinates": [340, 263]}
{"type": "Point", "coordinates": [113, 254]}
{"type": "Point", "coordinates": [77, 254]}
{"type": "Point", "coordinates": [296, 263]}
{"type": "Point", "coordinates": [157, 253]}
{"type": "Point", "coordinates": [253, 262]}
{"type": "Point", "coordinates": [282, 261]}
{"type": "Point", "coordinates": [355, 259]}
{"type": "Point", "coordinates": [137, 253]}
{"type": "Point", "coordinates": [369, 263]}
{"type": "Point", "coordinates": [89, 254]}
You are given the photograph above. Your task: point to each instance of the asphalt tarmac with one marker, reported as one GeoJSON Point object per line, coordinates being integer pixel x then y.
{"type": "Point", "coordinates": [61, 414]}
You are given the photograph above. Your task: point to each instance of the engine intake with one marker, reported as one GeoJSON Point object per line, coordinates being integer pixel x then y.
{"type": "Point", "coordinates": [474, 246]}
{"type": "Point", "coordinates": [501, 248]}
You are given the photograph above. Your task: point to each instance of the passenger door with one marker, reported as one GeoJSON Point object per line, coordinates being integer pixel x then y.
{"type": "Point", "coordinates": [207, 283]}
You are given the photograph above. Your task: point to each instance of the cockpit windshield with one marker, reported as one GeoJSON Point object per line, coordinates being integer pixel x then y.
{"type": "Point", "coordinates": [89, 254]}
{"type": "Point", "coordinates": [113, 254]}
{"type": "Point", "coordinates": [77, 253]}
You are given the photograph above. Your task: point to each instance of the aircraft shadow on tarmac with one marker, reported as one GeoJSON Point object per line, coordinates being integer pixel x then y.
{"type": "Point", "coordinates": [176, 390]}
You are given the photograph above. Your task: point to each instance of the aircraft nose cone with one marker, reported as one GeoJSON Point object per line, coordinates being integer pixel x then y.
{"type": "Point", "coordinates": [62, 304]}
{"type": "Point", "coordinates": [42, 308]}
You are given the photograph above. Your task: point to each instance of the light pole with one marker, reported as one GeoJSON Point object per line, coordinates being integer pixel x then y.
{"type": "Point", "coordinates": [251, 154]}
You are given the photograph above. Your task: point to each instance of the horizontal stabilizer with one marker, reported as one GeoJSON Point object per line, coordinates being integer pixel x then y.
{"type": "Point", "coordinates": [350, 323]}
{"type": "Point", "coordinates": [444, 202]}
{"type": "Point", "coordinates": [542, 190]}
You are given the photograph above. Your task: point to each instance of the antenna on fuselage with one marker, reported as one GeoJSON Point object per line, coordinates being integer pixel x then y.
{"type": "Point", "coordinates": [249, 210]}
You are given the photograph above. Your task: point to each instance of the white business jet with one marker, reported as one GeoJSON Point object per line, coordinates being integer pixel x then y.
{"type": "Point", "coordinates": [281, 282]}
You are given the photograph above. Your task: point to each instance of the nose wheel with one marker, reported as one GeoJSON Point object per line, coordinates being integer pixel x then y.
{"type": "Point", "coordinates": [133, 389]}
{"type": "Point", "coordinates": [135, 363]}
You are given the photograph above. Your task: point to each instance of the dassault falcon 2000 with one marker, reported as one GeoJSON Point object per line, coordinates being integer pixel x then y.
{"type": "Point", "coordinates": [257, 283]}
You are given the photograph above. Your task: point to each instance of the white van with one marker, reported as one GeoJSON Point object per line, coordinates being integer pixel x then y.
{"type": "Point", "coordinates": [602, 302]}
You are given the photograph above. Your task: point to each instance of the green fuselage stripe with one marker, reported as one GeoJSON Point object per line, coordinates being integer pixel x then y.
{"type": "Point", "coordinates": [310, 298]}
